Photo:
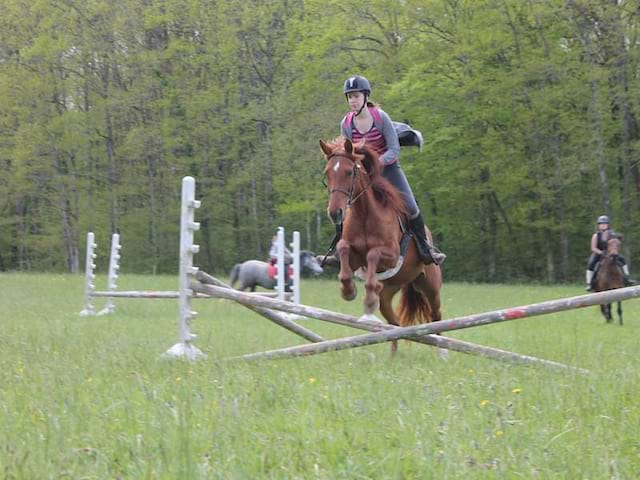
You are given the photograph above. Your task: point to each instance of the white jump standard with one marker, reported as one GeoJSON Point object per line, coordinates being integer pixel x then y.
{"type": "Point", "coordinates": [89, 277]}
{"type": "Point", "coordinates": [185, 348]}
{"type": "Point", "coordinates": [187, 275]}
{"type": "Point", "coordinates": [114, 267]}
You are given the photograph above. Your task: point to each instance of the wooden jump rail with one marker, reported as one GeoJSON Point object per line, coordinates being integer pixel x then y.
{"type": "Point", "coordinates": [209, 281]}
{"type": "Point", "coordinates": [418, 331]}
{"type": "Point", "coordinates": [424, 333]}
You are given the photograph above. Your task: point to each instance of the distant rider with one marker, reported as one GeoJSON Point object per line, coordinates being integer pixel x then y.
{"type": "Point", "coordinates": [599, 247]}
{"type": "Point", "coordinates": [273, 252]}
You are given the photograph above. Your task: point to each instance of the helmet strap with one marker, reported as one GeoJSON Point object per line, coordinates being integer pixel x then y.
{"type": "Point", "coordinates": [366, 97]}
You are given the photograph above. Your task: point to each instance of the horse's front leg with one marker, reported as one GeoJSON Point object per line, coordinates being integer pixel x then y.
{"type": "Point", "coordinates": [372, 285]}
{"type": "Point", "coordinates": [347, 286]}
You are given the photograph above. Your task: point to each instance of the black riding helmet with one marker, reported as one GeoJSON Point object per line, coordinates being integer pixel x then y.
{"type": "Point", "coordinates": [603, 219]}
{"type": "Point", "coordinates": [358, 83]}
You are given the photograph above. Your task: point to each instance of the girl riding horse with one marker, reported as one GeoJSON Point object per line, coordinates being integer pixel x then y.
{"type": "Point", "coordinates": [373, 126]}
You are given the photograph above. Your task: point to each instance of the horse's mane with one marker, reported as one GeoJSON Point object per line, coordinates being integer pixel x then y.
{"type": "Point", "coordinates": [384, 192]}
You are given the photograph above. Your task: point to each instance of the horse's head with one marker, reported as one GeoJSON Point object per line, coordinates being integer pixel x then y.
{"type": "Point", "coordinates": [614, 244]}
{"type": "Point", "coordinates": [309, 262]}
{"type": "Point", "coordinates": [349, 169]}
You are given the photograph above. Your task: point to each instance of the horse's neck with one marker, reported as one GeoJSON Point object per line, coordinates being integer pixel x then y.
{"type": "Point", "coordinates": [609, 263]}
{"type": "Point", "coordinates": [368, 216]}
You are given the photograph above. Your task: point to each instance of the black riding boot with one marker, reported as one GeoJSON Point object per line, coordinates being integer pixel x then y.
{"type": "Point", "coordinates": [428, 253]}
{"type": "Point", "coordinates": [625, 274]}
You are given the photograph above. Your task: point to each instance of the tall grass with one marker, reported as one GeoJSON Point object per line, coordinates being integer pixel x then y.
{"type": "Point", "coordinates": [91, 398]}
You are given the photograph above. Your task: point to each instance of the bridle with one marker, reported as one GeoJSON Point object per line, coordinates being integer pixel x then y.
{"type": "Point", "coordinates": [352, 188]}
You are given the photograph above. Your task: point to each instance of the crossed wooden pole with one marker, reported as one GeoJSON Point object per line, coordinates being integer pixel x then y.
{"type": "Point", "coordinates": [423, 333]}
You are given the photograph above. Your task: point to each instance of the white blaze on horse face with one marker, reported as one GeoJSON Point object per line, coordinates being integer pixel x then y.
{"type": "Point", "coordinates": [336, 167]}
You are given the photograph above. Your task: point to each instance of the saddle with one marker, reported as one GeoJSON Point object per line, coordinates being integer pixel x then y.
{"type": "Point", "coordinates": [272, 271]}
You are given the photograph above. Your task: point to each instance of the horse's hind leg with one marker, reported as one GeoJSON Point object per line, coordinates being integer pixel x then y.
{"type": "Point", "coordinates": [620, 312]}
{"type": "Point", "coordinates": [386, 309]}
{"type": "Point", "coordinates": [429, 286]}
{"type": "Point", "coordinates": [431, 290]}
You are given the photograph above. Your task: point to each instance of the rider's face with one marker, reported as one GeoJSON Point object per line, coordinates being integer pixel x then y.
{"type": "Point", "coordinates": [603, 226]}
{"type": "Point", "coordinates": [356, 100]}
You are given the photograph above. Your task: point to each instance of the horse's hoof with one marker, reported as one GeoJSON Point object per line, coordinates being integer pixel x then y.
{"type": "Point", "coordinates": [348, 296]}
{"type": "Point", "coordinates": [443, 354]}
{"type": "Point", "coordinates": [369, 318]}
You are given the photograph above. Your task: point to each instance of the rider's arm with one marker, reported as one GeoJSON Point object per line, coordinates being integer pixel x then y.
{"type": "Point", "coordinates": [594, 244]}
{"type": "Point", "coordinates": [391, 139]}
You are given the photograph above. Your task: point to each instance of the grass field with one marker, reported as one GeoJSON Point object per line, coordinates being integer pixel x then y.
{"type": "Point", "coordinates": [91, 398]}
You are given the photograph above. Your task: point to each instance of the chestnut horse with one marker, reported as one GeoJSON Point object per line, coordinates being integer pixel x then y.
{"type": "Point", "coordinates": [370, 211]}
{"type": "Point", "coordinates": [609, 275]}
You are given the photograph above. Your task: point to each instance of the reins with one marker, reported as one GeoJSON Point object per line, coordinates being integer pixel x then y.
{"type": "Point", "coordinates": [350, 201]}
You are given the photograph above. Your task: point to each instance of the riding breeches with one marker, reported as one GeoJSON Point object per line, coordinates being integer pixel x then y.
{"type": "Point", "coordinates": [396, 176]}
{"type": "Point", "coordinates": [594, 259]}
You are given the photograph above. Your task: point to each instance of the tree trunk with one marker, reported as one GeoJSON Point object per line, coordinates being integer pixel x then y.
{"type": "Point", "coordinates": [585, 32]}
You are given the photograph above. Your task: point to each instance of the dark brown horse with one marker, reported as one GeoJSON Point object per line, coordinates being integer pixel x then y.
{"type": "Point", "coordinates": [370, 210]}
{"type": "Point", "coordinates": [609, 275]}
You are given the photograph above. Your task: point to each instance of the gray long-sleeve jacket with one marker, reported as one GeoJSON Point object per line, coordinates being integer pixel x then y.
{"type": "Point", "coordinates": [383, 123]}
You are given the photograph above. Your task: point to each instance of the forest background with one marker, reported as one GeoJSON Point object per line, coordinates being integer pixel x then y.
{"type": "Point", "coordinates": [529, 110]}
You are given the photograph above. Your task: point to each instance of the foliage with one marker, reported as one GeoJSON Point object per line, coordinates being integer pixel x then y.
{"type": "Point", "coordinates": [529, 111]}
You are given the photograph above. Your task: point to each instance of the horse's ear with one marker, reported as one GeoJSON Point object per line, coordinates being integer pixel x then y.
{"type": "Point", "coordinates": [325, 148]}
{"type": "Point", "coordinates": [348, 146]}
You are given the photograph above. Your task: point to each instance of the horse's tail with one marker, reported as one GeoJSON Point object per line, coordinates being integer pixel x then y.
{"type": "Point", "coordinates": [414, 307]}
{"type": "Point", "coordinates": [235, 273]}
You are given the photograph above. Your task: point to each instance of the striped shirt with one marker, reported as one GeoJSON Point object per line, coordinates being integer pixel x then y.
{"type": "Point", "coordinates": [372, 138]}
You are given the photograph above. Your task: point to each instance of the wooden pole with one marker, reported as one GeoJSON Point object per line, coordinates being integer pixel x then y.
{"type": "Point", "coordinates": [137, 294]}
{"type": "Point", "coordinates": [450, 344]}
{"type": "Point", "coordinates": [209, 281]}
{"type": "Point", "coordinates": [468, 321]}
{"type": "Point", "coordinates": [351, 321]}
